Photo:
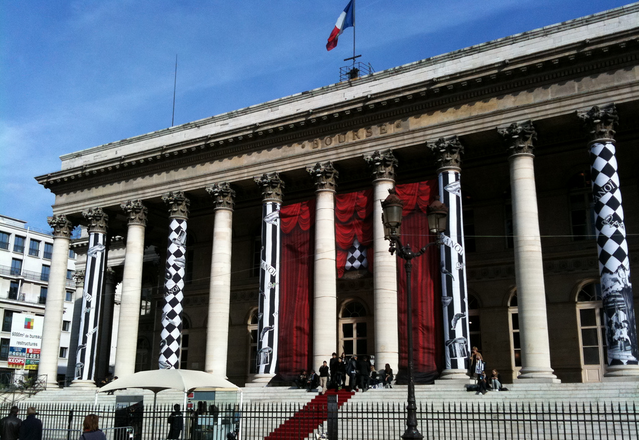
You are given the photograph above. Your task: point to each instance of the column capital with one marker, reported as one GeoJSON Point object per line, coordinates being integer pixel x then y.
{"type": "Point", "coordinates": [223, 195]}
{"type": "Point", "coordinates": [62, 227]}
{"type": "Point", "coordinates": [98, 220]}
{"type": "Point", "coordinates": [272, 187]}
{"type": "Point", "coordinates": [383, 164]}
{"type": "Point", "coordinates": [324, 176]}
{"type": "Point", "coordinates": [600, 122]}
{"type": "Point", "coordinates": [448, 152]}
{"type": "Point", "coordinates": [519, 137]}
{"type": "Point", "coordinates": [178, 204]}
{"type": "Point", "coordinates": [78, 277]}
{"type": "Point", "coordinates": [136, 212]}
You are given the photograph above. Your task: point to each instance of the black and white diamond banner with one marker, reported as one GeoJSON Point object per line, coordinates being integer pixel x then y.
{"type": "Point", "coordinates": [453, 274]}
{"type": "Point", "coordinates": [356, 257]}
{"type": "Point", "coordinates": [87, 350]}
{"type": "Point", "coordinates": [614, 264]}
{"type": "Point", "coordinates": [171, 335]}
{"type": "Point", "coordinates": [268, 307]}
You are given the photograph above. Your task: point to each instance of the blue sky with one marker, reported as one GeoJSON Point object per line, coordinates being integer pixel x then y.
{"type": "Point", "coordinates": [79, 73]}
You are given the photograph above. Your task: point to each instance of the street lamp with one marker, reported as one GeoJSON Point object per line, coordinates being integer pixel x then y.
{"type": "Point", "coordinates": [437, 214]}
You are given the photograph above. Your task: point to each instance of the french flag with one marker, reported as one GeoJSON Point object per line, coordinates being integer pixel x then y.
{"type": "Point", "coordinates": [345, 20]}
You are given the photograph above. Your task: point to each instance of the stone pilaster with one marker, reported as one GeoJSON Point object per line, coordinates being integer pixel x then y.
{"type": "Point", "coordinates": [217, 332]}
{"type": "Point", "coordinates": [171, 335]}
{"type": "Point", "coordinates": [325, 270]}
{"type": "Point", "coordinates": [131, 288]}
{"type": "Point", "coordinates": [384, 264]}
{"type": "Point", "coordinates": [612, 246]}
{"type": "Point", "coordinates": [448, 153]}
{"type": "Point", "coordinates": [269, 298]}
{"type": "Point", "coordinates": [529, 273]}
{"type": "Point", "coordinates": [62, 229]}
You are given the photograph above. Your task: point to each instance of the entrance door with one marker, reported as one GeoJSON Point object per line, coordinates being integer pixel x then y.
{"type": "Point", "coordinates": [592, 336]}
{"type": "Point", "coordinates": [354, 329]}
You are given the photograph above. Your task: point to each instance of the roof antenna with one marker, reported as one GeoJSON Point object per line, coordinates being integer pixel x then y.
{"type": "Point", "coordinates": [174, 86]}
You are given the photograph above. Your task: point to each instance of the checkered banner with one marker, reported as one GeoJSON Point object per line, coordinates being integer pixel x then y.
{"type": "Point", "coordinates": [453, 274]}
{"type": "Point", "coordinates": [356, 257]}
{"type": "Point", "coordinates": [269, 301]}
{"type": "Point", "coordinates": [91, 300]}
{"type": "Point", "coordinates": [171, 335]}
{"type": "Point", "coordinates": [614, 264]}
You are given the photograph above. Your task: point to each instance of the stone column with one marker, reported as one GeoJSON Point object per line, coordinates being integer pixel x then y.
{"type": "Point", "coordinates": [453, 260]}
{"type": "Point", "coordinates": [87, 350]}
{"type": "Point", "coordinates": [384, 265]}
{"type": "Point", "coordinates": [612, 247]}
{"type": "Point", "coordinates": [217, 332]}
{"type": "Point", "coordinates": [62, 228]}
{"type": "Point", "coordinates": [529, 271]}
{"type": "Point", "coordinates": [131, 289]}
{"type": "Point", "coordinates": [78, 277]}
{"type": "Point", "coordinates": [171, 335]}
{"type": "Point", "coordinates": [325, 278]}
{"type": "Point", "coordinates": [106, 327]}
{"type": "Point", "coordinates": [269, 297]}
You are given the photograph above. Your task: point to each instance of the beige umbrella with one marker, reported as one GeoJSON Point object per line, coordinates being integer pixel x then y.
{"type": "Point", "coordinates": [173, 379]}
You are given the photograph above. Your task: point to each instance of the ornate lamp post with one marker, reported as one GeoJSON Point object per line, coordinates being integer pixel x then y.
{"type": "Point", "coordinates": [437, 214]}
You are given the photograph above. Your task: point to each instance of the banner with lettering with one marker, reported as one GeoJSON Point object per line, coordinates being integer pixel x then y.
{"type": "Point", "coordinates": [25, 342]}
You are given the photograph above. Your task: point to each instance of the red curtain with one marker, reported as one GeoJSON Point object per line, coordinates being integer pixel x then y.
{"type": "Point", "coordinates": [425, 282]}
{"type": "Point", "coordinates": [353, 219]}
{"type": "Point", "coordinates": [296, 288]}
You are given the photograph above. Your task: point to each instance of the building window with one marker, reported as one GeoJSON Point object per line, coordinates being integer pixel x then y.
{"type": "Point", "coordinates": [592, 332]}
{"type": "Point", "coordinates": [18, 244]}
{"type": "Point", "coordinates": [146, 301]}
{"type": "Point", "coordinates": [474, 323]}
{"type": "Point", "coordinates": [7, 320]}
{"type": "Point", "coordinates": [66, 326]}
{"type": "Point", "coordinates": [582, 211]}
{"type": "Point", "coordinates": [63, 352]}
{"type": "Point", "coordinates": [48, 251]}
{"type": "Point", "coordinates": [353, 327]}
{"type": "Point", "coordinates": [44, 275]}
{"type": "Point", "coordinates": [4, 349]}
{"type": "Point", "coordinates": [252, 333]}
{"type": "Point", "coordinates": [14, 290]}
{"type": "Point", "coordinates": [16, 266]}
{"type": "Point", "coordinates": [71, 252]}
{"type": "Point", "coordinates": [34, 247]}
{"type": "Point", "coordinates": [4, 240]}
{"type": "Point", "coordinates": [69, 274]}
{"type": "Point", "coordinates": [43, 295]}
{"type": "Point", "coordinates": [69, 296]}
{"type": "Point", "coordinates": [515, 343]}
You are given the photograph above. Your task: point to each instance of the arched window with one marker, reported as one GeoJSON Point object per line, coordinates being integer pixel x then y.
{"type": "Point", "coordinates": [474, 323]}
{"type": "Point", "coordinates": [592, 332]}
{"type": "Point", "coordinates": [251, 330]}
{"type": "Point", "coordinates": [184, 345]}
{"type": "Point", "coordinates": [353, 328]}
{"type": "Point", "coordinates": [582, 214]}
{"type": "Point", "coordinates": [515, 343]}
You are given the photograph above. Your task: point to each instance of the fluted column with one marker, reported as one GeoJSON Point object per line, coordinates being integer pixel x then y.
{"type": "Point", "coordinates": [325, 269]}
{"type": "Point", "coordinates": [87, 350]}
{"type": "Point", "coordinates": [529, 271]}
{"type": "Point", "coordinates": [384, 265]}
{"type": "Point", "coordinates": [62, 228]}
{"type": "Point", "coordinates": [106, 325]}
{"type": "Point", "coordinates": [269, 297]}
{"type": "Point", "coordinates": [78, 277]}
{"type": "Point", "coordinates": [131, 288]}
{"type": "Point", "coordinates": [217, 332]}
{"type": "Point", "coordinates": [453, 260]}
{"type": "Point", "coordinates": [612, 247]}
{"type": "Point", "coordinates": [171, 334]}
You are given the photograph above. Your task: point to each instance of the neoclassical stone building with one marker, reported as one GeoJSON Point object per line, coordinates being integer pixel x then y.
{"type": "Point", "coordinates": [265, 228]}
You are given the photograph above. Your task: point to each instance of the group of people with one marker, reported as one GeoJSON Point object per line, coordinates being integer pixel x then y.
{"type": "Point", "coordinates": [13, 428]}
{"type": "Point", "coordinates": [359, 371]}
{"type": "Point", "coordinates": [478, 371]}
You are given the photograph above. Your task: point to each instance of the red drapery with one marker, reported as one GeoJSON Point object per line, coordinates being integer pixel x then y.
{"type": "Point", "coordinates": [425, 282]}
{"type": "Point", "coordinates": [296, 288]}
{"type": "Point", "coordinates": [353, 219]}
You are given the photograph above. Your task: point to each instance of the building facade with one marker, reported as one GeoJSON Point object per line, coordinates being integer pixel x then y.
{"type": "Point", "coordinates": [252, 242]}
{"type": "Point", "coordinates": [25, 265]}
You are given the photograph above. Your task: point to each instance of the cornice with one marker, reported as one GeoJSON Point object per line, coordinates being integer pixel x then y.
{"type": "Point", "coordinates": [578, 60]}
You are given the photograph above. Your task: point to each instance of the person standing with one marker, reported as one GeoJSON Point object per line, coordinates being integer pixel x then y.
{"type": "Point", "coordinates": [332, 365]}
{"type": "Point", "coordinates": [476, 363]}
{"type": "Point", "coordinates": [323, 370]}
{"type": "Point", "coordinates": [31, 427]}
{"type": "Point", "coordinates": [10, 425]}
{"type": "Point", "coordinates": [351, 370]}
{"type": "Point", "coordinates": [90, 429]}
{"type": "Point", "coordinates": [176, 424]}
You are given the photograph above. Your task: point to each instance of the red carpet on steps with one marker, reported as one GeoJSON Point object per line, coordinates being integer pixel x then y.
{"type": "Point", "coordinates": [313, 414]}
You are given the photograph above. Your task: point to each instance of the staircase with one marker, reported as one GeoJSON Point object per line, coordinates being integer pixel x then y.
{"type": "Point", "coordinates": [306, 420]}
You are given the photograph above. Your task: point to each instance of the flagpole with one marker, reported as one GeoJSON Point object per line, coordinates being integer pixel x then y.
{"type": "Point", "coordinates": [354, 27]}
{"type": "Point", "coordinates": [174, 87]}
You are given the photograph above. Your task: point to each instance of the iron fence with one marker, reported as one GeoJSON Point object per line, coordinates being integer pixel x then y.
{"type": "Point", "coordinates": [354, 420]}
